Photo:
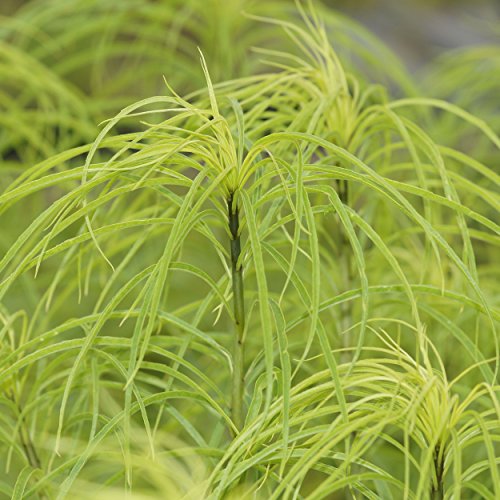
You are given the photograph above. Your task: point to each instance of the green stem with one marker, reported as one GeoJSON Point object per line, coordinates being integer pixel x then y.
{"type": "Point", "coordinates": [346, 313]}
{"type": "Point", "coordinates": [345, 259]}
{"type": "Point", "coordinates": [437, 490]}
{"type": "Point", "coordinates": [24, 435]}
{"type": "Point", "coordinates": [239, 314]}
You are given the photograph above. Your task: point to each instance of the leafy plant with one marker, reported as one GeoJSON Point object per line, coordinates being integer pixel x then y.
{"type": "Point", "coordinates": [469, 78]}
{"type": "Point", "coordinates": [116, 52]}
{"type": "Point", "coordinates": [40, 114]}
{"type": "Point", "coordinates": [277, 287]}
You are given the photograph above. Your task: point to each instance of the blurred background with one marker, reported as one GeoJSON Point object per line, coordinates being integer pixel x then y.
{"type": "Point", "coordinates": [82, 61]}
{"type": "Point", "coordinates": [417, 30]}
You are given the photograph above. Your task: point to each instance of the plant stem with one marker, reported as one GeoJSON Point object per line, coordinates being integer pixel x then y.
{"type": "Point", "coordinates": [239, 314]}
{"type": "Point", "coordinates": [346, 313]}
{"type": "Point", "coordinates": [437, 491]}
{"type": "Point", "coordinates": [345, 260]}
{"type": "Point", "coordinates": [24, 435]}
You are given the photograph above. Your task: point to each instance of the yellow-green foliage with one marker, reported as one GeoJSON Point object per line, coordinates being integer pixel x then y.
{"type": "Point", "coordinates": [280, 285]}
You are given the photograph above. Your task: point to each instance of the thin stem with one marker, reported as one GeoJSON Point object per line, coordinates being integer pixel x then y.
{"type": "Point", "coordinates": [346, 271]}
{"type": "Point", "coordinates": [24, 435]}
{"type": "Point", "coordinates": [346, 312]}
{"type": "Point", "coordinates": [239, 314]}
{"type": "Point", "coordinates": [437, 491]}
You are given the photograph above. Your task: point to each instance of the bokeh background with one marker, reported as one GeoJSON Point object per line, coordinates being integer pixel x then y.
{"type": "Point", "coordinates": [418, 30]}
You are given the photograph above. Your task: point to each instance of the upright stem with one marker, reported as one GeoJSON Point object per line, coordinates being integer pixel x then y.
{"type": "Point", "coordinates": [24, 435]}
{"type": "Point", "coordinates": [239, 314]}
{"type": "Point", "coordinates": [345, 259]}
{"type": "Point", "coordinates": [437, 490]}
{"type": "Point", "coordinates": [346, 313]}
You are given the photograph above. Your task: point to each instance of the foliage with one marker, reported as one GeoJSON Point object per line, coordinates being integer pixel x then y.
{"type": "Point", "coordinates": [279, 286]}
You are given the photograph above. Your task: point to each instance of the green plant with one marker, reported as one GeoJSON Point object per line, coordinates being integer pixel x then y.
{"type": "Point", "coordinates": [279, 286]}
{"type": "Point", "coordinates": [468, 77]}
{"type": "Point", "coordinates": [40, 114]}
{"type": "Point", "coordinates": [118, 51]}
